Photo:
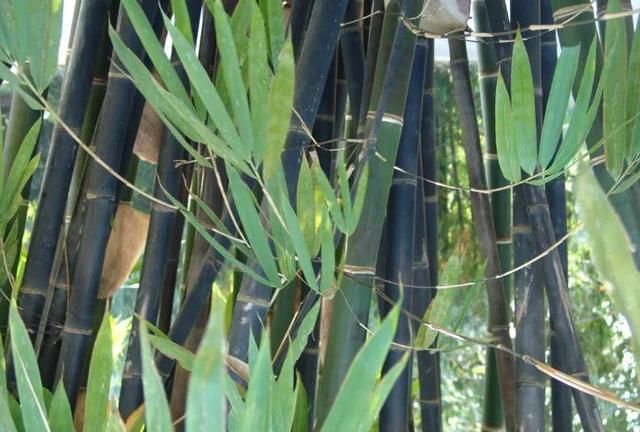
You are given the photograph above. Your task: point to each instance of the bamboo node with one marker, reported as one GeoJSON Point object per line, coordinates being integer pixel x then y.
{"type": "Point", "coordinates": [77, 331]}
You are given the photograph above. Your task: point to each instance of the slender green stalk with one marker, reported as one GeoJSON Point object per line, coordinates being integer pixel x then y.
{"type": "Point", "coordinates": [110, 140]}
{"type": "Point", "coordinates": [428, 364]}
{"type": "Point", "coordinates": [498, 325]}
{"type": "Point", "coordinates": [396, 410]}
{"type": "Point", "coordinates": [351, 307]}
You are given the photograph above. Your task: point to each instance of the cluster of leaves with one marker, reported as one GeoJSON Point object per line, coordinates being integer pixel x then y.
{"type": "Point", "coordinates": [242, 118]}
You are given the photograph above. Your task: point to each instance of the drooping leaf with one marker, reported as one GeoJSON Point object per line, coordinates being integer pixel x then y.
{"type": "Point", "coordinates": [579, 126]}
{"type": "Point", "coordinates": [172, 350]}
{"type": "Point", "coordinates": [306, 203]}
{"type": "Point", "coordinates": [259, 80]}
{"type": "Point", "coordinates": [615, 88]}
{"type": "Point", "coordinates": [32, 404]}
{"type": "Point", "coordinates": [60, 416]}
{"type": "Point", "coordinates": [559, 95]}
{"type": "Point", "coordinates": [523, 107]}
{"type": "Point", "coordinates": [252, 226]}
{"type": "Point", "coordinates": [611, 250]}
{"type": "Point", "coordinates": [154, 49]}
{"type": "Point", "coordinates": [206, 402]}
{"type": "Point", "coordinates": [96, 408]}
{"type": "Point", "coordinates": [280, 107]}
{"type": "Point", "coordinates": [156, 408]}
{"type": "Point", "coordinates": [350, 407]}
{"type": "Point", "coordinates": [505, 136]}
{"type": "Point", "coordinates": [232, 73]}
{"type": "Point", "coordinates": [273, 16]}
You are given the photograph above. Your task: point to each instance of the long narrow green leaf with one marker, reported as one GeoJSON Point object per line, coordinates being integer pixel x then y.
{"type": "Point", "coordinates": [258, 398]}
{"type": "Point", "coordinates": [505, 135]}
{"type": "Point", "coordinates": [305, 203]}
{"type": "Point", "coordinates": [6, 419]}
{"type": "Point", "coordinates": [273, 16]}
{"type": "Point", "coordinates": [358, 203]}
{"type": "Point", "coordinates": [60, 416]}
{"type": "Point", "coordinates": [523, 107]}
{"type": "Point", "coordinates": [331, 199]}
{"type": "Point", "coordinates": [611, 250]}
{"type": "Point", "coordinates": [206, 400]}
{"type": "Point", "coordinates": [156, 408]}
{"type": "Point", "coordinates": [633, 96]}
{"type": "Point", "coordinates": [615, 88]}
{"type": "Point", "coordinates": [182, 19]}
{"type": "Point", "coordinates": [252, 225]}
{"type": "Point", "coordinates": [559, 95]}
{"type": "Point", "coordinates": [259, 80]}
{"type": "Point", "coordinates": [32, 405]}
{"type": "Point", "coordinates": [231, 72]}
{"type": "Point", "coordinates": [350, 407]}
{"type": "Point", "coordinates": [172, 350]}
{"type": "Point", "coordinates": [96, 411]}
{"type": "Point", "coordinates": [241, 21]}
{"type": "Point", "coordinates": [328, 258]}
{"type": "Point", "coordinates": [155, 50]}
{"type": "Point", "coordinates": [201, 84]}
{"type": "Point", "coordinates": [578, 129]}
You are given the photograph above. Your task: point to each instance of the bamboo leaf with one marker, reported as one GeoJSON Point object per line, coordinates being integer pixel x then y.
{"type": "Point", "coordinates": [96, 410]}
{"type": "Point", "coordinates": [259, 80]}
{"type": "Point", "coordinates": [559, 95]}
{"type": "Point", "coordinates": [306, 203]}
{"type": "Point", "coordinates": [115, 423]}
{"type": "Point", "coordinates": [633, 96]}
{"type": "Point", "coordinates": [241, 21]}
{"type": "Point", "coordinates": [252, 225]}
{"type": "Point", "coordinates": [358, 204]}
{"type": "Point", "coordinates": [21, 170]}
{"type": "Point", "coordinates": [232, 73]}
{"type": "Point", "coordinates": [201, 84]}
{"type": "Point", "coordinates": [182, 19]}
{"type": "Point", "coordinates": [60, 417]}
{"type": "Point", "coordinates": [272, 12]}
{"type": "Point", "coordinates": [206, 402]}
{"type": "Point", "coordinates": [350, 407]}
{"type": "Point", "coordinates": [332, 200]}
{"type": "Point", "coordinates": [505, 135]}
{"type": "Point", "coordinates": [578, 127]}
{"type": "Point", "coordinates": [6, 420]}
{"type": "Point", "coordinates": [328, 258]}
{"type": "Point", "coordinates": [523, 106]}
{"type": "Point", "coordinates": [280, 107]}
{"type": "Point", "coordinates": [172, 350]}
{"type": "Point", "coordinates": [156, 408]}
{"type": "Point", "coordinates": [301, 417]}
{"type": "Point", "coordinates": [297, 238]}
{"type": "Point", "coordinates": [32, 405]}
{"type": "Point", "coordinates": [615, 88]}
{"type": "Point", "coordinates": [258, 398]}
{"type": "Point", "coordinates": [611, 250]}
{"type": "Point", "coordinates": [155, 50]}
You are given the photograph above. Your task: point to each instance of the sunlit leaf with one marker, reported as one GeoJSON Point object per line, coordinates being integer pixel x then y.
{"type": "Point", "coordinates": [505, 136]}
{"type": "Point", "coordinates": [156, 408]}
{"type": "Point", "coordinates": [523, 107]}
{"type": "Point", "coordinates": [60, 416]}
{"type": "Point", "coordinates": [96, 410]}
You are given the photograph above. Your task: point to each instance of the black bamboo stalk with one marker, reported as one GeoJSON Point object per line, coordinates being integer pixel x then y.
{"type": "Point", "coordinates": [116, 120]}
{"type": "Point", "coordinates": [482, 214]}
{"type": "Point", "coordinates": [401, 211]}
{"type": "Point", "coordinates": [388, 96]}
{"type": "Point", "coordinates": [163, 220]}
{"type": "Point", "coordinates": [371, 55]}
{"type": "Point", "coordinates": [427, 272]}
{"type": "Point", "coordinates": [75, 97]}
{"type": "Point", "coordinates": [300, 11]}
{"type": "Point", "coordinates": [561, 410]}
{"type": "Point", "coordinates": [529, 299]}
{"type": "Point", "coordinates": [312, 70]}
{"type": "Point", "coordinates": [352, 51]}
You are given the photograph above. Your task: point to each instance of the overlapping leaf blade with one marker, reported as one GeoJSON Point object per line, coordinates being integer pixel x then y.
{"type": "Point", "coordinates": [505, 139]}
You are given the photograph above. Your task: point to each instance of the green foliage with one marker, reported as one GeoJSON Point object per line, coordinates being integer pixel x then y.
{"type": "Point", "coordinates": [611, 250]}
{"type": "Point", "coordinates": [99, 381]}
{"type": "Point", "coordinates": [29, 36]}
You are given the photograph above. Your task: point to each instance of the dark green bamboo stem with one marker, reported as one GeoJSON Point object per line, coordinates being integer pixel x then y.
{"type": "Point", "coordinates": [371, 54]}
{"type": "Point", "coordinates": [428, 364]}
{"type": "Point", "coordinates": [384, 126]}
{"type": "Point", "coordinates": [529, 298]}
{"type": "Point", "coordinates": [300, 11]}
{"type": "Point", "coordinates": [117, 118]}
{"type": "Point", "coordinates": [488, 70]}
{"type": "Point", "coordinates": [352, 51]}
{"type": "Point", "coordinates": [396, 410]}
{"type": "Point", "coordinates": [498, 325]}
{"type": "Point", "coordinates": [561, 410]}
{"type": "Point", "coordinates": [74, 101]}
{"type": "Point", "coordinates": [312, 69]}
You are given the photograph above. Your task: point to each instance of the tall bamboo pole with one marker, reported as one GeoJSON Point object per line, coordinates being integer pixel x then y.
{"type": "Point", "coordinates": [561, 411]}
{"type": "Point", "coordinates": [384, 122]}
{"type": "Point", "coordinates": [401, 211]}
{"type": "Point", "coordinates": [498, 325]}
{"type": "Point", "coordinates": [117, 118]}
{"type": "Point", "coordinates": [74, 100]}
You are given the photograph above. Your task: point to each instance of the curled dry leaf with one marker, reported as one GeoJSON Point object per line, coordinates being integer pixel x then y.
{"type": "Point", "coordinates": [444, 16]}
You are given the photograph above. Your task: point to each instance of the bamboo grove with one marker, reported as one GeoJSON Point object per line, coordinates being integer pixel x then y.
{"type": "Point", "coordinates": [271, 176]}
